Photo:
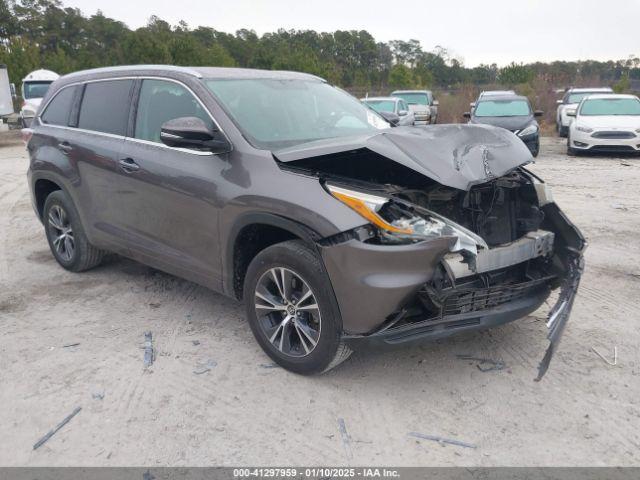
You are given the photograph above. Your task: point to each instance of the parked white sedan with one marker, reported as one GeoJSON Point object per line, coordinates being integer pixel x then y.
{"type": "Point", "coordinates": [609, 123]}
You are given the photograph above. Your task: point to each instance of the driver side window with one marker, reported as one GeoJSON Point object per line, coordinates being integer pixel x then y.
{"type": "Point", "coordinates": [162, 100]}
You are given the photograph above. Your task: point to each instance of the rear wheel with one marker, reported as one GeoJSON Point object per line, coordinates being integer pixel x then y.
{"type": "Point", "coordinates": [292, 310]}
{"type": "Point", "coordinates": [570, 150]}
{"type": "Point", "coordinates": [66, 237]}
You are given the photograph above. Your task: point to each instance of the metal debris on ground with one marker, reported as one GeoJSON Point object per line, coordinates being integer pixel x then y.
{"type": "Point", "coordinates": [346, 438]}
{"type": "Point", "coordinates": [615, 356]}
{"type": "Point", "coordinates": [442, 440]}
{"type": "Point", "coordinates": [71, 345]}
{"type": "Point", "coordinates": [97, 394]}
{"type": "Point", "coordinates": [205, 367]}
{"type": "Point", "coordinates": [619, 206]}
{"type": "Point", "coordinates": [269, 365]}
{"type": "Point", "coordinates": [51, 433]}
{"type": "Point", "coordinates": [484, 364]}
{"type": "Point", "coordinates": [149, 354]}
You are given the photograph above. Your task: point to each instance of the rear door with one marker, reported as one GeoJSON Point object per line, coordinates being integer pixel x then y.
{"type": "Point", "coordinates": [101, 120]}
{"type": "Point", "coordinates": [167, 197]}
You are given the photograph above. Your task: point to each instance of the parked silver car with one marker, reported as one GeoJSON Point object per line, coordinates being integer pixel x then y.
{"type": "Point", "coordinates": [421, 103]}
{"type": "Point", "coordinates": [394, 105]}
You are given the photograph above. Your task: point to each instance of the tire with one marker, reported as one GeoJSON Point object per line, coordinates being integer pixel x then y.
{"type": "Point", "coordinates": [286, 344]}
{"type": "Point", "coordinates": [570, 150]}
{"type": "Point", "coordinates": [535, 151]}
{"type": "Point", "coordinates": [61, 219]}
{"type": "Point", "coordinates": [563, 131]}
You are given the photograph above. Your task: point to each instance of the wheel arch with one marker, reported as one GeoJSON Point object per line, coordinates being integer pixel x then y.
{"type": "Point", "coordinates": [42, 188]}
{"type": "Point", "coordinates": [251, 234]}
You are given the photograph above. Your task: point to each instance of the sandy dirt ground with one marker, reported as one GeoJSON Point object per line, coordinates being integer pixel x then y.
{"type": "Point", "coordinates": [245, 412]}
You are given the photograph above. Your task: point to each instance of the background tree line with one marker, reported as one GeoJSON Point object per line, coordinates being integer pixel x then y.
{"type": "Point", "coordinates": [45, 34]}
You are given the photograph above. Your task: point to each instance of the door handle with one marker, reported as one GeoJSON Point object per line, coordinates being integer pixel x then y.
{"type": "Point", "coordinates": [129, 165]}
{"type": "Point", "coordinates": [65, 147]}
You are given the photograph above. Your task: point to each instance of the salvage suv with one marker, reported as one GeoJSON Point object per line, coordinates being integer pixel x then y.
{"type": "Point", "coordinates": [279, 189]}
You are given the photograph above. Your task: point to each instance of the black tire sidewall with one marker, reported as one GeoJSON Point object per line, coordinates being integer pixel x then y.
{"type": "Point", "coordinates": [295, 255]}
{"type": "Point", "coordinates": [61, 199]}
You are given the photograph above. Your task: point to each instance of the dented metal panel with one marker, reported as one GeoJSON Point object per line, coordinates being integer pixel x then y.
{"type": "Point", "coordinates": [457, 156]}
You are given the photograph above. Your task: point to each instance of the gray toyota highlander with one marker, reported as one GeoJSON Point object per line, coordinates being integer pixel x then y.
{"type": "Point", "coordinates": [278, 189]}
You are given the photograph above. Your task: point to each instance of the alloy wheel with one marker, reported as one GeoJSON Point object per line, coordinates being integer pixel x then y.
{"type": "Point", "coordinates": [61, 233]}
{"type": "Point", "coordinates": [287, 312]}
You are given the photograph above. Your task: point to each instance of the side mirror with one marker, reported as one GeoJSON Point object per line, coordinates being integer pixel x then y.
{"type": "Point", "coordinates": [472, 104]}
{"type": "Point", "coordinates": [390, 117]}
{"type": "Point", "coordinates": [466, 114]}
{"type": "Point", "coordinates": [571, 112]}
{"type": "Point", "coordinates": [403, 113]}
{"type": "Point", "coordinates": [559, 102]}
{"type": "Point", "coordinates": [538, 113]}
{"type": "Point", "coordinates": [12, 87]}
{"type": "Point", "coordinates": [435, 103]}
{"type": "Point", "coordinates": [192, 132]}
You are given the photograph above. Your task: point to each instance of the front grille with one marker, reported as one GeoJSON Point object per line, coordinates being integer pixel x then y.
{"type": "Point", "coordinates": [613, 148]}
{"type": "Point", "coordinates": [614, 135]}
{"type": "Point", "coordinates": [456, 301]}
{"type": "Point", "coordinates": [475, 300]}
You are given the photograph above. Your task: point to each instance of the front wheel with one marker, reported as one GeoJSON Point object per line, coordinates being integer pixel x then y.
{"type": "Point", "coordinates": [292, 310]}
{"type": "Point", "coordinates": [67, 240]}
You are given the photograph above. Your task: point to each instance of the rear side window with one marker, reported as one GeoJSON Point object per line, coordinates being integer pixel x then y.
{"type": "Point", "coordinates": [105, 106]}
{"type": "Point", "coordinates": [58, 110]}
{"type": "Point", "coordinates": [161, 100]}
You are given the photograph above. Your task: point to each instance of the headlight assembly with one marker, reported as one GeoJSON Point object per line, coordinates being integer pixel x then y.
{"type": "Point", "coordinates": [584, 129]}
{"type": "Point", "coordinates": [401, 223]}
{"type": "Point", "coordinates": [528, 130]}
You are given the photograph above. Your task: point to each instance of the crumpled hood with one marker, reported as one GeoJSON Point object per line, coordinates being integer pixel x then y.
{"type": "Point", "coordinates": [458, 156]}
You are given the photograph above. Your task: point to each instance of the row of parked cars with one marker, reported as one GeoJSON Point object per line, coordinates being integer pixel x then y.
{"type": "Point", "coordinates": [598, 120]}
{"type": "Point", "coordinates": [406, 107]}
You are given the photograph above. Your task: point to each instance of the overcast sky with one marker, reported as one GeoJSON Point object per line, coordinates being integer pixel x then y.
{"type": "Point", "coordinates": [477, 31]}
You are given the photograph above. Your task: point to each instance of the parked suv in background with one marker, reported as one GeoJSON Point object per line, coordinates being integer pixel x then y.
{"type": "Point", "coordinates": [570, 100]}
{"type": "Point", "coordinates": [512, 112]}
{"type": "Point", "coordinates": [279, 189]}
{"type": "Point", "coordinates": [422, 103]}
{"type": "Point", "coordinates": [394, 105]}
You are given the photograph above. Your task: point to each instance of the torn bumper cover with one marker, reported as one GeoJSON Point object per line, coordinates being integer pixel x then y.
{"type": "Point", "coordinates": [392, 295]}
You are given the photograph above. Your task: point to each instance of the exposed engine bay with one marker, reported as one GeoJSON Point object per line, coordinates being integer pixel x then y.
{"type": "Point", "coordinates": [509, 244]}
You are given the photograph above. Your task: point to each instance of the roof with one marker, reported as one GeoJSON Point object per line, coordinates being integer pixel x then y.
{"type": "Point", "coordinates": [41, 75]}
{"type": "Point", "coordinates": [496, 93]}
{"type": "Point", "coordinates": [594, 89]}
{"type": "Point", "coordinates": [610, 96]}
{"type": "Point", "coordinates": [501, 98]}
{"type": "Point", "coordinates": [395, 92]}
{"type": "Point", "coordinates": [199, 72]}
{"type": "Point", "coordinates": [380, 99]}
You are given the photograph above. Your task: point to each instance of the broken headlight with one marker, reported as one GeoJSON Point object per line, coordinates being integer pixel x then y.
{"type": "Point", "coordinates": [401, 223]}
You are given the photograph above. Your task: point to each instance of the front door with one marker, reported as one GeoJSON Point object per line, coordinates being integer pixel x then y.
{"type": "Point", "coordinates": [168, 196]}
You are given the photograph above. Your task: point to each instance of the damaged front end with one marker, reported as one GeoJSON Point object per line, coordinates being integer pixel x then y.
{"type": "Point", "coordinates": [476, 243]}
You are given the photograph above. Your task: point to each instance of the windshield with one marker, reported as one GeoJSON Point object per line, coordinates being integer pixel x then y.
{"type": "Point", "coordinates": [577, 97]}
{"type": "Point", "coordinates": [414, 98]}
{"type": "Point", "coordinates": [611, 106]}
{"type": "Point", "coordinates": [274, 114]}
{"type": "Point", "coordinates": [382, 105]}
{"type": "Point", "coordinates": [35, 89]}
{"type": "Point", "coordinates": [502, 108]}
